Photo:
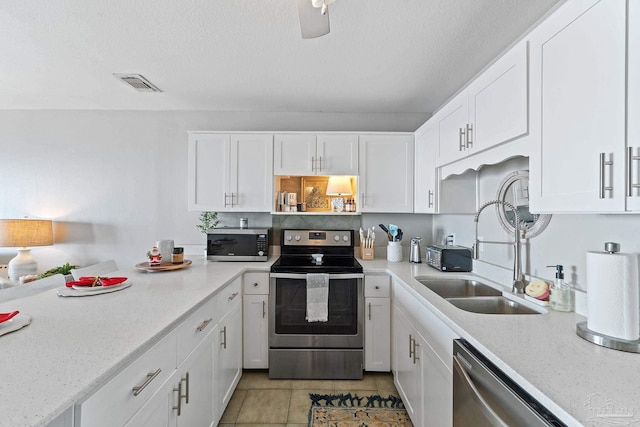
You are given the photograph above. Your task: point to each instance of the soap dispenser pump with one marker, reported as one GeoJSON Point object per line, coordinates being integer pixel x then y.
{"type": "Point", "coordinates": [560, 292]}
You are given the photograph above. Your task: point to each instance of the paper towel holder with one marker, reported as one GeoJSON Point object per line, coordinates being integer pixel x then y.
{"type": "Point", "coordinates": [605, 340]}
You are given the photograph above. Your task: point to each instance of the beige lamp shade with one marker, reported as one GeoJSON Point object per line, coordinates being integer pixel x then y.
{"type": "Point", "coordinates": [339, 186]}
{"type": "Point", "coordinates": [21, 233]}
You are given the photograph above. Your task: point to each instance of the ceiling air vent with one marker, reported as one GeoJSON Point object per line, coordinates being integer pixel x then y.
{"type": "Point", "coordinates": [137, 82]}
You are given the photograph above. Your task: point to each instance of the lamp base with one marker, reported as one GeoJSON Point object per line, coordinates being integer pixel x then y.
{"type": "Point", "coordinates": [22, 265]}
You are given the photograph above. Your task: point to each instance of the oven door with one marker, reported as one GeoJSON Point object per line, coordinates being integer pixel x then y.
{"type": "Point", "coordinates": [288, 327]}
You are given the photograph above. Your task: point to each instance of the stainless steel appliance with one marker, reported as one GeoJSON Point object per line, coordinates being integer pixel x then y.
{"type": "Point", "coordinates": [316, 350]}
{"type": "Point", "coordinates": [449, 258]}
{"type": "Point", "coordinates": [484, 396]}
{"type": "Point", "coordinates": [415, 250]}
{"type": "Point", "coordinates": [238, 244]}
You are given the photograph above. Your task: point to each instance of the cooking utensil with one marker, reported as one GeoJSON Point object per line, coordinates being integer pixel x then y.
{"type": "Point", "coordinates": [393, 230]}
{"type": "Point", "coordinates": [7, 316]}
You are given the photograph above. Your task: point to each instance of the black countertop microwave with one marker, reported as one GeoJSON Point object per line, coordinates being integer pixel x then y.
{"type": "Point", "coordinates": [238, 244]}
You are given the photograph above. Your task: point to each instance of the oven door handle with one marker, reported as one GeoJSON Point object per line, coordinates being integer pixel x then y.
{"type": "Point", "coordinates": [332, 276]}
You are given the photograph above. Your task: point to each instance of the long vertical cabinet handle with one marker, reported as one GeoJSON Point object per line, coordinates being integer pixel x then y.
{"type": "Point", "coordinates": [320, 168]}
{"type": "Point", "coordinates": [430, 198]}
{"type": "Point", "coordinates": [363, 197]}
{"type": "Point", "coordinates": [264, 309]}
{"type": "Point", "coordinates": [223, 332]}
{"type": "Point", "coordinates": [415, 353]}
{"type": "Point", "coordinates": [602, 186]}
{"type": "Point", "coordinates": [369, 311]}
{"type": "Point", "coordinates": [461, 140]}
{"type": "Point", "coordinates": [226, 197]}
{"type": "Point", "coordinates": [469, 133]}
{"type": "Point", "coordinates": [313, 164]}
{"type": "Point", "coordinates": [232, 196]}
{"type": "Point", "coordinates": [410, 346]}
{"type": "Point", "coordinates": [630, 160]}
{"type": "Point", "coordinates": [178, 407]}
{"type": "Point", "coordinates": [186, 381]}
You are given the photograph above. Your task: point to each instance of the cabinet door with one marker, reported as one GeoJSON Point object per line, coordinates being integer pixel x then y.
{"type": "Point", "coordinates": [228, 368]}
{"type": "Point", "coordinates": [256, 331]}
{"type": "Point", "coordinates": [377, 335]}
{"type": "Point", "coordinates": [208, 170]}
{"type": "Point", "coordinates": [294, 154]}
{"type": "Point", "coordinates": [337, 155]}
{"type": "Point", "coordinates": [404, 368]}
{"type": "Point", "coordinates": [425, 169]}
{"type": "Point", "coordinates": [251, 173]}
{"type": "Point", "coordinates": [437, 388]}
{"type": "Point", "coordinates": [452, 122]}
{"type": "Point", "coordinates": [159, 410]}
{"type": "Point", "coordinates": [498, 101]}
{"type": "Point", "coordinates": [633, 107]}
{"type": "Point", "coordinates": [197, 381]}
{"type": "Point", "coordinates": [386, 173]}
{"type": "Point", "coordinates": [578, 109]}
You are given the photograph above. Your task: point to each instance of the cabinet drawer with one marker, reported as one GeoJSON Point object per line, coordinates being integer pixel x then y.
{"type": "Point", "coordinates": [256, 283]}
{"type": "Point", "coordinates": [229, 296]}
{"type": "Point", "coordinates": [192, 331]}
{"type": "Point", "coordinates": [377, 286]}
{"type": "Point", "coordinates": [124, 394]}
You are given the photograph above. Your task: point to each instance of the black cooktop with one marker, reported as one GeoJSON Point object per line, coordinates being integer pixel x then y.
{"type": "Point", "coordinates": [305, 264]}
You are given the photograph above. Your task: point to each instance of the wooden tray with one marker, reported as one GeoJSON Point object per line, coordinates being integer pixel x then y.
{"type": "Point", "coordinates": [167, 266]}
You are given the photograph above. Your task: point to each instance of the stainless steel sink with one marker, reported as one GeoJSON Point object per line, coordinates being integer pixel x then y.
{"type": "Point", "coordinates": [491, 305]}
{"type": "Point", "coordinates": [474, 296]}
{"type": "Point", "coordinates": [454, 288]}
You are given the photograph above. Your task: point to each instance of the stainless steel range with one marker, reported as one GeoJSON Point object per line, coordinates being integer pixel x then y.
{"type": "Point", "coordinates": [298, 347]}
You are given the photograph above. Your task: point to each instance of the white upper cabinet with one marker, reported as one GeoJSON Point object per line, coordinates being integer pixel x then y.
{"type": "Point", "coordinates": [230, 172]}
{"type": "Point", "coordinates": [490, 111]}
{"type": "Point", "coordinates": [310, 154]}
{"type": "Point", "coordinates": [425, 196]}
{"type": "Point", "coordinates": [633, 108]}
{"type": "Point", "coordinates": [578, 108]}
{"type": "Point", "coordinates": [386, 173]}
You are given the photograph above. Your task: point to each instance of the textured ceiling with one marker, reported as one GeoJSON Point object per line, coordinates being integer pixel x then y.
{"type": "Point", "coordinates": [386, 56]}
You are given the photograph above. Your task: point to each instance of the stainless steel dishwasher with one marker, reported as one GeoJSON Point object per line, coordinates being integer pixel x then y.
{"type": "Point", "coordinates": [484, 396]}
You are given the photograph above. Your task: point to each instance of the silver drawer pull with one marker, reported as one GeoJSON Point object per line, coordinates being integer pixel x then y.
{"type": "Point", "coordinates": [630, 159]}
{"type": "Point", "coordinates": [255, 285]}
{"type": "Point", "coordinates": [203, 325]}
{"type": "Point", "coordinates": [410, 346]}
{"type": "Point", "coordinates": [223, 332]}
{"type": "Point", "coordinates": [179, 406]}
{"type": "Point", "coordinates": [264, 309]}
{"type": "Point", "coordinates": [415, 357]}
{"type": "Point", "coordinates": [469, 138]}
{"type": "Point", "coordinates": [461, 142]}
{"type": "Point", "coordinates": [369, 311]}
{"type": "Point", "coordinates": [430, 199]}
{"type": "Point", "coordinates": [232, 296]}
{"type": "Point", "coordinates": [602, 185]}
{"type": "Point", "coordinates": [186, 380]}
{"type": "Point", "coordinates": [150, 377]}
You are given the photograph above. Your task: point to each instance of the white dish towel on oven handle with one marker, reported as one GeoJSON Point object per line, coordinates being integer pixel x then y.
{"type": "Point", "coordinates": [317, 297]}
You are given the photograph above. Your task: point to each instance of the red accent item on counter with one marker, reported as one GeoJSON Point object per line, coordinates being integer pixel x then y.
{"type": "Point", "coordinates": [6, 316]}
{"type": "Point", "coordinates": [97, 281]}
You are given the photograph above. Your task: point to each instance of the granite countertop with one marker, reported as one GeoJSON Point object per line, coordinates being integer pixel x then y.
{"type": "Point", "coordinates": [68, 350]}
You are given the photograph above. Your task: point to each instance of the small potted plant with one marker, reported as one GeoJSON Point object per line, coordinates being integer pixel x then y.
{"type": "Point", "coordinates": [208, 221]}
{"type": "Point", "coordinates": [65, 270]}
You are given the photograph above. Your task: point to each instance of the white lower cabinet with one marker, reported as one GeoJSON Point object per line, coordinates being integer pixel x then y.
{"type": "Point", "coordinates": [184, 380]}
{"type": "Point", "coordinates": [422, 352]}
{"type": "Point", "coordinates": [228, 363]}
{"type": "Point", "coordinates": [255, 321]}
{"type": "Point", "coordinates": [377, 324]}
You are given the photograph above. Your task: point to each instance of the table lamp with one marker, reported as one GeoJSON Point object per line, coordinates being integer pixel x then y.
{"type": "Point", "coordinates": [338, 186]}
{"type": "Point", "coordinates": [21, 233]}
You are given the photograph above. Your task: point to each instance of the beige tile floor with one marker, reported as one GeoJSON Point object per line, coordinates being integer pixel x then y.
{"type": "Point", "coordinates": [259, 401]}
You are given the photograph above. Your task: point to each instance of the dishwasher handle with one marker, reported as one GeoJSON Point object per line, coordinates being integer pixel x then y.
{"type": "Point", "coordinates": [487, 410]}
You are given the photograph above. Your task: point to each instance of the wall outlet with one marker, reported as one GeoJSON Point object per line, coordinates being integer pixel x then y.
{"type": "Point", "coordinates": [4, 271]}
{"type": "Point", "coordinates": [450, 239]}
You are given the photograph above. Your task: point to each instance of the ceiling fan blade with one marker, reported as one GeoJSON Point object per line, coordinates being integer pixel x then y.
{"type": "Point", "coordinates": [312, 23]}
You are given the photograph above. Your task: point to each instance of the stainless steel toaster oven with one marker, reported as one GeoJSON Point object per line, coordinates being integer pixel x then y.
{"type": "Point", "coordinates": [449, 258]}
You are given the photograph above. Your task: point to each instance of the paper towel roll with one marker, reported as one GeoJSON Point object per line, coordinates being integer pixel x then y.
{"type": "Point", "coordinates": [613, 294]}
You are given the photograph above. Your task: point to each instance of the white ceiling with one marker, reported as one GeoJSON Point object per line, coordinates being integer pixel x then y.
{"type": "Point", "coordinates": [382, 56]}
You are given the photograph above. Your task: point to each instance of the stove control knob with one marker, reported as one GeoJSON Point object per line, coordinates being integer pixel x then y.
{"type": "Point", "coordinates": [297, 238]}
{"type": "Point", "coordinates": [336, 238]}
{"type": "Point", "coordinates": [345, 238]}
{"type": "Point", "coordinates": [289, 238]}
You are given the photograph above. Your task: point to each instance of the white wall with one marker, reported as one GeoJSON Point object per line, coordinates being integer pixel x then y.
{"type": "Point", "coordinates": [565, 241]}
{"type": "Point", "coordinates": [114, 182]}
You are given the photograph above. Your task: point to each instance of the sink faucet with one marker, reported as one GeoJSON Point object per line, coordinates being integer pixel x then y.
{"type": "Point", "coordinates": [518, 282]}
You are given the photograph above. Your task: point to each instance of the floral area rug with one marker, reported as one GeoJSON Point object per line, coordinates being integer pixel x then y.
{"type": "Point", "coordinates": [347, 410]}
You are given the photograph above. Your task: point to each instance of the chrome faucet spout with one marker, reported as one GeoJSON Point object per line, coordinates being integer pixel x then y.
{"type": "Point", "coordinates": [518, 281]}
